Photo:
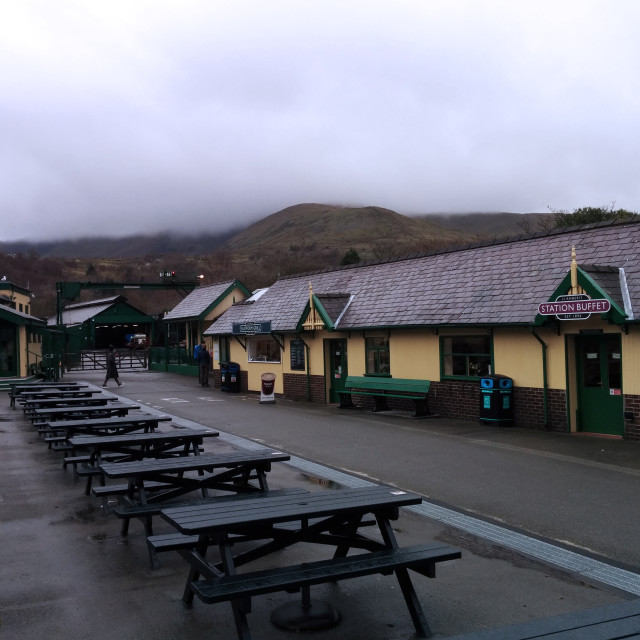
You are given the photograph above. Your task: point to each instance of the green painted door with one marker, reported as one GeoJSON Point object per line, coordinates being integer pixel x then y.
{"type": "Point", "coordinates": [337, 368]}
{"type": "Point", "coordinates": [600, 401]}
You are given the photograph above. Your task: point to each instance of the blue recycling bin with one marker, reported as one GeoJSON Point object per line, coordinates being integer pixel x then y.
{"type": "Point", "coordinates": [230, 377]}
{"type": "Point", "coordinates": [496, 400]}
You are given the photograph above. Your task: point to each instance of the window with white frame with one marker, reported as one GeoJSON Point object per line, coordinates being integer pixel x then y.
{"type": "Point", "coordinates": [263, 349]}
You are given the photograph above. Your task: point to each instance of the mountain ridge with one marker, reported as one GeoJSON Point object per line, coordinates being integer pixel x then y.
{"type": "Point", "coordinates": [303, 218]}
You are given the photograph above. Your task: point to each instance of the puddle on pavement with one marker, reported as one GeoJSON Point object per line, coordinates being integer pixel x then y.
{"type": "Point", "coordinates": [321, 482]}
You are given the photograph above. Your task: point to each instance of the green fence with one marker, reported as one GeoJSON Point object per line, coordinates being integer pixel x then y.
{"type": "Point", "coordinates": [173, 360]}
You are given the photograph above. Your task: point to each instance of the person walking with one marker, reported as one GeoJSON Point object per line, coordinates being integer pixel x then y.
{"type": "Point", "coordinates": [112, 369]}
{"type": "Point", "coordinates": [204, 364]}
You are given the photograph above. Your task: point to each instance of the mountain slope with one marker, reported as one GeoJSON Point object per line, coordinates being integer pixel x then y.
{"type": "Point", "coordinates": [330, 229]}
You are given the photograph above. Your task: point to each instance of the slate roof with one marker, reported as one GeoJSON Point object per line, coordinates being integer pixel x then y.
{"type": "Point", "coordinates": [334, 304]}
{"type": "Point", "coordinates": [19, 317]}
{"type": "Point", "coordinates": [608, 279]}
{"type": "Point", "coordinates": [80, 312]}
{"type": "Point", "coordinates": [199, 301]}
{"type": "Point", "coordinates": [493, 284]}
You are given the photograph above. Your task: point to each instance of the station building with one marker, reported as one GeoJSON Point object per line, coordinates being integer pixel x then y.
{"type": "Point", "coordinates": [97, 324]}
{"type": "Point", "coordinates": [184, 326]}
{"type": "Point", "coordinates": [21, 334]}
{"type": "Point", "coordinates": [553, 311]}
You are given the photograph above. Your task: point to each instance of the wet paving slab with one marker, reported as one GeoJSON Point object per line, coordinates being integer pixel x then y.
{"type": "Point", "coordinates": [66, 572]}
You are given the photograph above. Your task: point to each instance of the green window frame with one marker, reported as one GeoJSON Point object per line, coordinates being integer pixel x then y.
{"type": "Point", "coordinates": [378, 359]}
{"type": "Point", "coordinates": [224, 349]}
{"type": "Point", "coordinates": [468, 357]}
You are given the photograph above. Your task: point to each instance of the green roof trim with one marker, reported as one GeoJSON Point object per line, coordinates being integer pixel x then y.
{"type": "Point", "coordinates": [616, 313]}
{"type": "Point", "coordinates": [9, 315]}
{"type": "Point", "coordinates": [324, 316]}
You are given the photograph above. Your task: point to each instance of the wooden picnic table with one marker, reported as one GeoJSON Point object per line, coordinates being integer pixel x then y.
{"type": "Point", "coordinates": [17, 389]}
{"type": "Point", "coordinates": [150, 483]}
{"type": "Point", "coordinates": [29, 404]}
{"type": "Point", "coordinates": [58, 432]}
{"type": "Point", "coordinates": [42, 394]}
{"type": "Point", "coordinates": [221, 471]}
{"type": "Point", "coordinates": [107, 425]}
{"type": "Point", "coordinates": [50, 414]}
{"type": "Point", "coordinates": [137, 446]}
{"type": "Point", "coordinates": [329, 518]}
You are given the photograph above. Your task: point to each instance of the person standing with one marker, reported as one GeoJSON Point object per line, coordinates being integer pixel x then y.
{"type": "Point", "coordinates": [112, 368]}
{"type": "Point", "coordinates": [204, 364]}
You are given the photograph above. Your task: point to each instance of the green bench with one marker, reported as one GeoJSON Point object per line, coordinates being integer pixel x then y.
{"type": "Point", "coordinates": [381, 389]}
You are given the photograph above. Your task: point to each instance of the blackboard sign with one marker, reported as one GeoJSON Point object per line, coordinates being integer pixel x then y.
{"type": "Point", "coordinates": [297, 355]}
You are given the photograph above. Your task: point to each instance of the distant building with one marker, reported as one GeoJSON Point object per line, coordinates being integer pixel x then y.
{"type": "Point", "coordinates": [185, 323]}
{"type": "Point", "coordinates": [96, 324]}
{"type": "Point", "coordinates": [21, 334]}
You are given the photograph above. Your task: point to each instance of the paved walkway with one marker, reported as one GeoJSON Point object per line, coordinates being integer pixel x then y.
{"type": "Point", "coordinates": [65, 572]}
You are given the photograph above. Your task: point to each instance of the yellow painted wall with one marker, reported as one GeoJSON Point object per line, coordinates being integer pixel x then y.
{"type": "Point", "coordinates": [356, 359]}
{"type": "Point", "coordinates": [415, 355]}
{"type": "Point", "coordinates": [631, 361]}
{"type": "Point", "coordinates": [518, 354]}
{"type": "Point", "coordinates": [236, 295]}
{"type": "Point", "coordinates": [256, 369]}
{"type": "Point", "coordinates": [22, 352]}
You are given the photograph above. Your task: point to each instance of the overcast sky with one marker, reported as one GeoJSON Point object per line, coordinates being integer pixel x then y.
{"type": "Point", "coordinates": [130, 116]}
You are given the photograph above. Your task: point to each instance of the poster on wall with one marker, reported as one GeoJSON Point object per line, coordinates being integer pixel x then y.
{"type": "Point", "coordinates": [297, 355]}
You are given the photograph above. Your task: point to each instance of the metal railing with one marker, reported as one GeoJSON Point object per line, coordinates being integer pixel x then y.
{"type": "Point", "coordinates": [95, 360]}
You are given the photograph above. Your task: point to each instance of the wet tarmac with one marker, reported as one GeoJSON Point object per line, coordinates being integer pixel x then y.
{"type": "Point", "coordinates": [66, 572]}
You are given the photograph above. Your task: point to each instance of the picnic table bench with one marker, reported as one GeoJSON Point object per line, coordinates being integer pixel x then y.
{"type": "Point", "coordinates": [30, 404]}
{"type": "Point", "coordinates": [58, 432]}
{"type": "Point", "coordinates": [124, 447]}
{"type": "Point", "coordinates": [50, 414]}
{"type": "Point", "coordinates": [611, 622]}
{"type": "Point", "coordinates": [42, 395]}
{"type": "Point", "coordinates": [179, 542]}
{"type": "Point", "coordinates": [145, 422]}
{"type": "Point", "coordinates": [229, 472]}
{"type": "Point", "coordinates": [382, 388]}
{"type": "Point", "coordinates": [18, 388]}
{"type": "Point", "coordinates": [330, 518]}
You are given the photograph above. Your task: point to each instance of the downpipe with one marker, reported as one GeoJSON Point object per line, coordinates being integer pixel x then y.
{"type": "Point", "coordinates": [545, 389]}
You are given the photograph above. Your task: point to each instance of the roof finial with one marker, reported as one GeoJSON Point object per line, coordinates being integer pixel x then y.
{"type": "Point", "coordinates": [574, 271]}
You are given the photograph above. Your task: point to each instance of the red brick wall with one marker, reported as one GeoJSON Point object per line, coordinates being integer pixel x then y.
{"type": "Point", "coordinates": [461, 399]}
{"type": "Point", "coordinates": [297, 387]}
{"type": "Point", "coordinates": [632, 427]}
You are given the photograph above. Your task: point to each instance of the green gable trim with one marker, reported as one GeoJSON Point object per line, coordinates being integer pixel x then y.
{"type": "Point", "coordinates": [324, 316]}
{"type": "Point", "coordinates": [616, 314]}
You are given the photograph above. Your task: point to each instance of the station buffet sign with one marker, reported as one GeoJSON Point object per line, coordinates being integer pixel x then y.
{"type": "Point", "coordinates": [574, 307]}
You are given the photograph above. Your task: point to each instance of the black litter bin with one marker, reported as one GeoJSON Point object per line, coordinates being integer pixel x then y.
{"type": "Point", "coordinates": [224, 376]}
{"type": "Point", "coordinates": [227, 381]}
{"type": "Point", "coordinates": [230, 377]}
{"type": "Point", "coordinates": [496, 400]}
